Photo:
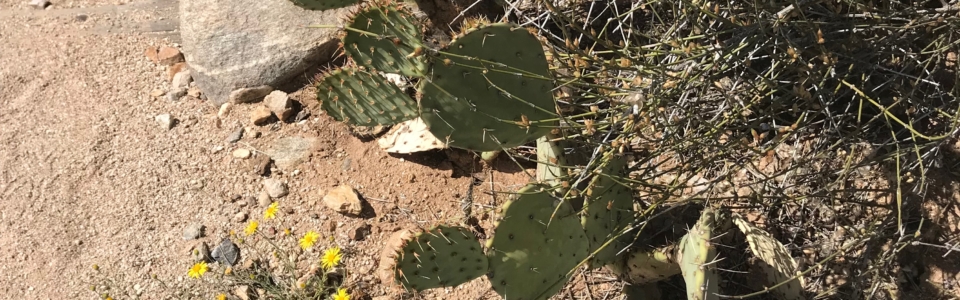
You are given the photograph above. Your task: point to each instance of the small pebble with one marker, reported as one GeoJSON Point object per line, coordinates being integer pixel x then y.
{"type": "Point", "coordinates": [263, 200]}
{"type": "Point", "coordinates": [165, 120]}
{"type": "Point", "coordinates": [193, 231]}
{"type": "Point", "coordinates": [241, 153]}
{"type": "Point", "coordinates": [240, 217]}
{"type": "Point", "coordinates": [235, 135]}
{"type": "Point", "coordinates": [224, 110]}
{"type": "Point", "coordinates": [275, 188]}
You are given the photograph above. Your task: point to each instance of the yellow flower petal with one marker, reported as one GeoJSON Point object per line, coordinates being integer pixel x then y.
{"type": "Point", "coordinates": [341, 295]}
{"type": "Point", "coordinates": [251, 228]}
{"type": "Point", "coordinates": [198, 269]}
{"type": "Point", "coordinates": [309, 239]}
{"type": "Point", "coordinates": [271, 211]}
{"type": "Point", "coordinates": [331, 258]}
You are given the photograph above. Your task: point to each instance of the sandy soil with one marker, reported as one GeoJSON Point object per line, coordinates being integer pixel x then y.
{"type": "Point", "coordinates": [87, 176]}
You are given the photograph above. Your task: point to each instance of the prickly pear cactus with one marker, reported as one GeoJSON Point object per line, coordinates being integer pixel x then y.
{"type": "Point", "coordinates": [439, 257]}
{"type": "Point", "coordinates": [361, 98]}
{"type": "Point", "coordinates": [385, 38]}
{"type": "Point", "coordinates": [536, 244]}
{"type": "Point", "coordinates": [651, 266]}
{"type": "Point", "coordinates": [608, 210]}
{"type": "Point", "coordinates": [490, 89]}
{"type": "Point", "coordinates": [409, 137]}
{"type": "Point", "coordinates": [323, 4]}
{"type": "Point", "coordinates": [696, 256]}
{"type": "Point", "coordinates": [775, 265]}
{"type": "Point", "coordinates": [550, 162]}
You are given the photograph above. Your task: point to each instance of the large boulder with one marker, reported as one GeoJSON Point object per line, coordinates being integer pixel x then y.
{"type": "Point", "coordinates": [236, 44]}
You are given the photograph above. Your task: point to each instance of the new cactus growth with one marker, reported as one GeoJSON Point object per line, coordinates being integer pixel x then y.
{"type": "Point", "coordinates": [538, 242]}
{"type": "Point", "coordinates": [490, 89]}
{"type": "Point", "coordinates": [365, 99]}
{"type": "Point", "coordinates": [775, 265]}
{"type": "Point", "coordinates": [323, 4]}
{"type": "Point", "coordinates": [385, 38]}
{"type": "Point", "coordinates": [439, 257]}
{"type": "Point", "coordinates": [550, 162]}
{"type": "Point", "coordinates": [608, 210]}
{"type": "Point", "coordinates": [696, 255]}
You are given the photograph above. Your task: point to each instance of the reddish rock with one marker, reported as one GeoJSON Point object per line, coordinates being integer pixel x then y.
{"type": "Point", "coordinates": [169, 56]}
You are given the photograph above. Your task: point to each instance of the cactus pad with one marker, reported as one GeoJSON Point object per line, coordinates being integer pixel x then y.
{"type": "Point", "coordinates": [608, 210]}
{"type": "Point", "coordinates": [530, 259]}
{"type": "Point", "coordinates": [361, 98]}
{"type": "Point", "coordinates": [490, 89]}
{"type": "Point", "coordinates": [775, 265]}
{"type": "Point", "coordinates": [323, 4]}
{"type": "Point", "coordinates": [550, 162]}
{"type": "Point", "coordinates": [439, 257]}
{"type": "Point", "coordinates": [696, 255]}
{"type": "Point", "coordinates": [408, 137]}
{"type": "Point", "coordinates": [652, 265]}
{"type": "Point", "coordinates": [386, 38]}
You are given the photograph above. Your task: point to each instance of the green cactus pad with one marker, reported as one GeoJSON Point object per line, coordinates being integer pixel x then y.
{"type": "Point", "coordinates": [775, 265]}
{"type": "Point", "coordinates": [608, 210]}
{"type": "Point", "coordinates": [696, 256]}
{"type": "Point", "coordinates": [530, 260]}
{"type": "Point", "coordinates": [323, 4]}
{"type": "Point", "coordinates": [490, 89]}
{"type": "Point", "coordinates": [389, 41]}
{"type": "Point", "coordinates": [652, 265]}
{"type": "Point", "coordinates": [440, 257]}
{"type": "Point", "coordinates": [361, 98]}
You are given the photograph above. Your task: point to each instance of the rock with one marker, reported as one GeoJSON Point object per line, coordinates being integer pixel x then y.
{"type": "Point", "coordinates": [176, 94]}
{"type": "Point", "coordinates": [251, 132]}
{"type": "Point", "coordinates": [224, 110]}
{"type": "Point", "coordinates": [289, 152]}
{"type": "Point", "coordinates": [169, 56]}
{"type": "Point", "coordinates": [361, 231]}
{"type": "Point", "coordinates": [280, 104]}
{"type": "Point", "coordinates": [165, 120]}
{"type": "Point", "coordinates": [201, 253]}
{"type": "Point", "coordinates": [156, 93]}
{"type": "Point", "coordinates": [151, 54]}
{"type": "Point", "coordinates": [39, 4]}
{"type": "Point", "coordinates": [193, 91]}
{"type": "Point", "coordinates": [263, 200]}
{"type": "Point", "coordinates": [235, 136]}
{"type": "Point", "coordinates": [181, 80]}
{"type": "Point", "coordinates": [242, 292]}
{"type": "Point", "coordinates": [343, 199]}
{"type": "Point", "coordinates": [226, 253]}
{"type": "Point", "coordinates": [174, 69]}
{"type": "Point", "coordinates": [241, 153]}
{"type": "Point", "coordinates": [275, 188]}
{"type": "Point", "coordinates": [250, 43]}
{"type": "Point", "coordinates": [261, 116]}
{"type": "Point", "coordinates": [193, 231]}
{"type": "Point", "coordinates": [248, 95]}
{"type": "Point", "coordinates": [261, 165]}
{"type": "Point", "coordinates": [240, 217]}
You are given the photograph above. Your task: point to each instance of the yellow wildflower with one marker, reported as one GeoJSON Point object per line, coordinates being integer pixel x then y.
{"type": "Point", "coordinates": [331, 258]}
{"type": "Point", "coordinates": [341, 295]}
{"type": "Point", "coordinates": [198, 269]}
{"type": "Point", "coordinates": [251, 228]}
{"type": "Point", "coordinates": [271, 211]}
{"type": "Point", "coordinates": [309, 239]}
{"type": "Point", "coordinates": [286, 231]}
{"type": "Point", "coordinates": [222, 296]}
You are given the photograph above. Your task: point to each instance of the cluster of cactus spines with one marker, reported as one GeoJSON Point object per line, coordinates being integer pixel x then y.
{"type": "Point", "coordinates": [650, 266]}
{"type": "Point", "coordinates": [776, 265]}
{"type": "Point", "coordinates": [385, 38]}
{"type": "Point", "coordinates": [439, 257]}
{"type": "Point", "coordinates": [490, 89]}
{"type": "Point", "coordinates": [696, 258]}
{"type": "Point", "coordinates": [536, 245]}
{"type": "Point", "coordinates": [608, 210]}
{"type": "Point", "coordinates": [361, 98]}
{"type": "Point", "coordinates": [324, 4]}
